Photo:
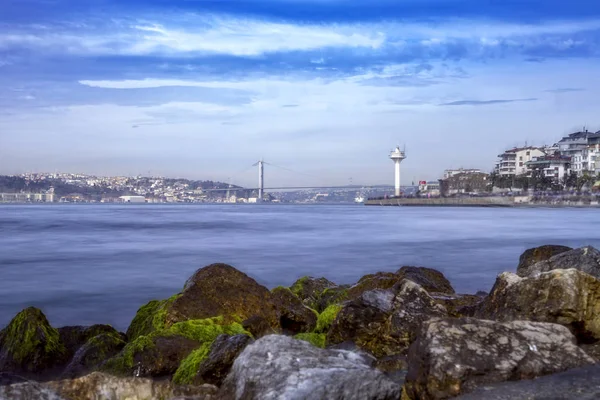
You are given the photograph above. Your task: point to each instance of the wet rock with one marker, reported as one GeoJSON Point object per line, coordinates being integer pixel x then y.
{"type": "Point", "coordinates": [28, 390]}
{"type": "Point", "coordinates": [332, 296]}
{"type": "Point", "coordinates": [277, 367]}
{"type": "Point", "coordinates": [454, 356]}
{"type": "Point", "coordinates": [99, 386]}
{"type": "Point", "coordinates": [384, 322]}
{"type": "Point", "coordinates": [537, 254]}
{"type": "Point", "coordinates": [585, 259]}
{"type": "Point", "coordinates": [151, 356]}
{"type": "Point", "coordinates": [222, 354]}
{"type": "Point", "coordinates": [567, 297]}
{"type": "Point", "coordinates": [149, 318]}
{"type": "Point", "coordinates": [380, 280]}
{"type": "Point", "coordinates": [294, 317]}
{"type": "Point", "coordinates": [30, 346]}
{"type": "Point", "coordinates": [73, 337]}
{"type": "Point", "coordinates": [431, 280]}
{"type": "Point", "coordinates": [460, 305]}
{"type": "Point", "coordinates": [579, 383]}
{"type": "Point", "coordinates": [221, 290]}
{"type": "Point", "coordinates": [394, 367]}
{"type": "Point", "coordinates": [258, 326]}
{"type": "Point", "coordinates": [309, 290]}
{"type": "Point", "coordinates": [93, 353]}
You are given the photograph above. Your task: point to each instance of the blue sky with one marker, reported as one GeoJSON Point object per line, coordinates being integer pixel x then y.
{"type": "Point", "coordinates": [203, 89]}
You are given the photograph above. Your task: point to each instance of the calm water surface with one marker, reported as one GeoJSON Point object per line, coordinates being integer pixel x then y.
{"type": "Point", "coordinates": [85, 264]}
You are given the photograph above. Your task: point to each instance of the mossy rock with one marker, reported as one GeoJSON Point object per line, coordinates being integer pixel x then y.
{"type": "Point", "coordinates": [93, 353]}
{"type": "Point", "coordinates": [316, 339]}
{"type": "Point", "coordinates": [161, 352]}
{"type": "Point", "coordinates": [223, 352]}
{"type": "Point", "coordinates": [379, 280]}
{"type": "Point", "coordinates": [294, 317]}
{"type": "Point", "coordinates": [150, 317]}
{"type": "Point", "coordinates": [310, 289]}
{"type": "Point", "coordinates": [326, 318]}
{"type": "Point", "coordinates": [30, 345]}
{"type": "Point", "coordinates": [221, 290]}
{"type": "Point", "coordinates": [331, 296]}
{"type": "Point", "coordinates": [74, 337]}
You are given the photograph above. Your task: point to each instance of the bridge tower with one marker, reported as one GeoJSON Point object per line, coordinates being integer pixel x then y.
{"type": "Point", "coordinates": [261, 180]}
{"type": "Point", "coordinates": [397, 156]}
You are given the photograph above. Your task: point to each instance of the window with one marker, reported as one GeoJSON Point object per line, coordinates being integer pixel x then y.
{"type": "Point", "coordinates": [521, 158]}
{"type": "Point", "coordinates": [528, 153]}
{"type": "Point", "coordinates": [520, 164]}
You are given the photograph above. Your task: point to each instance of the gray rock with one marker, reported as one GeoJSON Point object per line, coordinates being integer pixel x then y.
{"type": "Point", "coordinates": [28, 391]}
{"type": "Point", "coordinates": [279, 367]}
{"type": "Point", "coordinates": [564, 296]}
{"type": "Point", "coordinates": [384, 322]}
{"type": "Point", "coordinates": [223, 353]}
{"type": "Point", "coordinates": [537, 254]}
{"type": "Point", "coordinates": [585, 259]}
{"type": "Point", "coordinates": [580, 383]}
{"type": "Point", "coordinates": [454, 356]}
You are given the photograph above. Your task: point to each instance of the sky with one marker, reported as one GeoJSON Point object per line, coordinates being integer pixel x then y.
{"type": "Point", "coordinates": [322, 90]}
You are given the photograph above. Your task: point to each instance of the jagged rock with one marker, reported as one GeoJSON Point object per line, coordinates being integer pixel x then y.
{"type": "Point", "coordinates": [537, 254]}
{"type": "Point", "coordinates": [93, 353]}
{"type": "Point", "coordinates": [28, 390]}
{"type": "Point", "coordinates": [585, 259]}
{"type": "Point", "coordinates": [567, 297]}
{"type": "Point", "coordinates": [394, 367]}
{"type": "Point", "coordinates": [453, 356]}
{"type": "Point", "coordinates": [460, 305]}
{"type": "Point", "coordinates": [221, 290]}
{"type": "Point", "coordinates": [332, 296]}
{"type": "Point", "coordinates": [380, 280]}
{"type": "Point", "coordinates": [384, 322]}
{"type": "Point", "coordinates": [73, 337]}
{"type": "Point", "coordinates": [258, 326]}
{"type": "Point", "coordinates": [431, 280]}
{"type": "Point", "coordinates": [30, 346]}
{"type": "Point", "coordinates": [151, 356]}
{"type": "Point", "coordinates": [309, 290]}
{"type": "Point", "coordinates": [579, 383]}
{"type": "Point", "coordinates": [222, 354]}
{"type": "Point", "coordinates": [279, 367]}
{"type": "Point", "coordinates": [294, 317]}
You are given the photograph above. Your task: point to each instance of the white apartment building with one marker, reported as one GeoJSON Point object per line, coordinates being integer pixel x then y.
{"type": "Point", "coordinates": [514, 161]}
{"type": "Point", "coordinates": [554, 166]}
{"type": "Point", "coordinates": [584, 150]}
{"type": "Point", "coordinates": [451, 172]}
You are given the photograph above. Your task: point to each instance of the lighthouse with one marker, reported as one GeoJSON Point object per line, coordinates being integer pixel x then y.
{"type": "Point", "coordinates": [397, 156]}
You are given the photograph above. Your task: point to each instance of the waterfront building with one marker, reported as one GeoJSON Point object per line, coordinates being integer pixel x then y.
{"type": "Point", "coordinates": [554, 166]}
{"type": "Point", "coordinates": [464, 183]}
{"type": "Point", "coordinates": [513, 162]}
{"type": "Point", "coordinates": [451, 172]}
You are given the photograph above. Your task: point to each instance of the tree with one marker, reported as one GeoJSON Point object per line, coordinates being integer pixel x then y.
{"type": "Point", "coordinates": [570, 180]}
{"type": "Point", "coordinates": [586, 180]}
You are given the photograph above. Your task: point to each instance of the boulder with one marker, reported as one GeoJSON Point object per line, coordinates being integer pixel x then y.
{"type": "Point", "coordinates": [578, 383]}
{"type": "Point", "coordinates": [73, 337]}
{"type": "Point", "coordinates": [380, 280]}
{"type": "Point", "coordinates": [28, 390]}
{"type": "Point", "coordinates": [585, 259]}
{"type": "Point", "coordinates": [453, 356]}
{"type": "Point", "coordinates": [279, 367]}
{"type": "Point", "coordinates": [429, 279]}
{"type": "Point", "coordinates": [309, 290]}
{"type": "Point", "coordinates": [151, 356]}
{"type": "Point", "coordinates": [93, 353]}
{"type": "Point", "coordinates": [30, 346]}
{"type": "Point", "coordinates": [258, 326]}
{"type": "Point", "coordinates": [221, 290]}
{"type": "Point", "coordinates": [294, 317]}
{"type": "Point", "coordinates": [384, 322]}
{"type": "Point", "coordinates": [332, 296]}
{"type": "Point", "coordinates": [223, 353]}
{"type": "Point", "coordinates": [567, 297]}
{"type": "Point", "coordinates": [537, 254]}
{"type": "Point", "coordinates": [460, 305]}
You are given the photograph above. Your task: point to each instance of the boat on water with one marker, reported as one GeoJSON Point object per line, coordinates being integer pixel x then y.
{"type": "Point", "coordinates": [359, 199]}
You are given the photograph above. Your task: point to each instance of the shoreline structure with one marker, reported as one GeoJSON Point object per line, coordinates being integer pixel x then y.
{"type": "Point", "coordinates": [393, 335]}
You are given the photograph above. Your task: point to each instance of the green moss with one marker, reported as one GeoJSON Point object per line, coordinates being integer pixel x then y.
{"type": "Point", "coordinates": [298, 286]}
{"type": "Point", "coordinates": [30, 333]}
{"type": "Point", "coordinates": [316, 339]}
{"type": "Point", "coordinates": [189, 366]}
{"type": "Point", "coordinates": [150, 317]}
{"type": "Point", "coordinates": [326, 318]}
{"type": "Point", "coordinates": [122, 363]}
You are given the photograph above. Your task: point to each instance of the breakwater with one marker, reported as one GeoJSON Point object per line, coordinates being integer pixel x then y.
{"type": "Point", "coordinates": [446, 202]}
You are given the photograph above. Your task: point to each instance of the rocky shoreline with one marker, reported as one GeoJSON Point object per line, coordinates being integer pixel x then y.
{"type": "Point", "coordinates": [392, 335]}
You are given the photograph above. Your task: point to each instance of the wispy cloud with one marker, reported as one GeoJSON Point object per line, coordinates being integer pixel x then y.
{"type": "Point", "coordinates": [565, 90]}
{"type": "Point", "coordinates": [484, 102]}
